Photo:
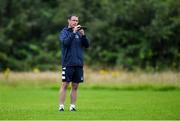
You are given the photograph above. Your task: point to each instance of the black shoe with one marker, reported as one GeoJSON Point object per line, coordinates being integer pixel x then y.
{"type": "Point", "coordinates": [72, 109]}
{"type": "Point", "coordinates": [61, 109]}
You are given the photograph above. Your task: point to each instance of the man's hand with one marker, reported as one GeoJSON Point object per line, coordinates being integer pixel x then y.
{"type": "Point", "coordinates": [82, 32]}
{"type": "Point", "coordinates": [76, 28]}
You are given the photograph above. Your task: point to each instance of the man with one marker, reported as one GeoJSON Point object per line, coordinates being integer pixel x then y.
{"type": "Point", "coordinates": [73, 40]}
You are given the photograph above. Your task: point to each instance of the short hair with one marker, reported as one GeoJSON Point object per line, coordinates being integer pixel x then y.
{"type": "Point", "coordinates": [69, 17]}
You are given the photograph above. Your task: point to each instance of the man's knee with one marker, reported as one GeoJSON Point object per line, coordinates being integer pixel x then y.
{"type": "Point", "coordinates": [64, 86]}
{"type": "Point", "coordinates": [74, 86]}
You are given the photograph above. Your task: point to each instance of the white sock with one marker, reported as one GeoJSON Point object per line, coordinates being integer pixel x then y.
{"type": "Point", "coordinates": [61, 106]}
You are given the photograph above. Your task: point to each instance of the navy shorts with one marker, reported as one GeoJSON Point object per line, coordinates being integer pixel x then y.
{"type": "Point", "coordinates": [72, 74]}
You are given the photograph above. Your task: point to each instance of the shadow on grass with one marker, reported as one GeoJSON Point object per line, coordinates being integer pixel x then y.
{"type": "Point", "coordinates": [56, 86]}
{"type": "Point", "coordinates": [127, 87]}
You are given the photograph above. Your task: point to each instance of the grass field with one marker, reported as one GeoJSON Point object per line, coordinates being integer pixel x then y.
{"type": "Point", "coordinates": [38, 99]}
{"type": "Point", "coordinates": [42, 103]}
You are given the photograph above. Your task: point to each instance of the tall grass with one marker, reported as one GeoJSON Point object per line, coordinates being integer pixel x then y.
{"type": "Point", "coordinates": [98, 78]}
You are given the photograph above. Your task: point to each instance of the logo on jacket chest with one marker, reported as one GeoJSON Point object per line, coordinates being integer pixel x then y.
{"type": "Point", "coordinates": [76, 36]}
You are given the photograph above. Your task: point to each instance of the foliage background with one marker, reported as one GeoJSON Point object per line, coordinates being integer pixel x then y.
{"type": "Point", "coordinates": [127, 34]}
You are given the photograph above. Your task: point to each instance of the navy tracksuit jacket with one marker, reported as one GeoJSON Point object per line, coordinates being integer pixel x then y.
{"type": "Point", "coordinates": [72, 47]}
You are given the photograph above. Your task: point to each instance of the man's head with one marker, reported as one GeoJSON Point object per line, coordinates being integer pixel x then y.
{"type": "Point", "coordinates": [73, 21]}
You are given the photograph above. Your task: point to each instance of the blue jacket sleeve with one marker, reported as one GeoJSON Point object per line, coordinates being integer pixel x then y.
{"type": "Point", "coordinates": [66, 38]}
{"type": "Point", "coordinates": [85, 42]}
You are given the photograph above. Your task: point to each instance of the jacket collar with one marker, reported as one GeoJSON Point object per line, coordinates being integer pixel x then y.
{"type": "Point", "coordinates": [68, 29]}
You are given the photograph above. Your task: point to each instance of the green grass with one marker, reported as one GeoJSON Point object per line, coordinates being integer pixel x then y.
{"type": "Point", "coordinates": [31, 102]}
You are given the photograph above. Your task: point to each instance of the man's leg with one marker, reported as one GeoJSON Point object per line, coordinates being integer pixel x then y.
{"type": "Point", "coordinates": [63, 94]}
{"type": "Point", "coordinates": [73, 95]}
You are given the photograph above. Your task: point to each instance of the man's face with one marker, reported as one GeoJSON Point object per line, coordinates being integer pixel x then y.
{"type": "Point", "coordinates": [73, 21]}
